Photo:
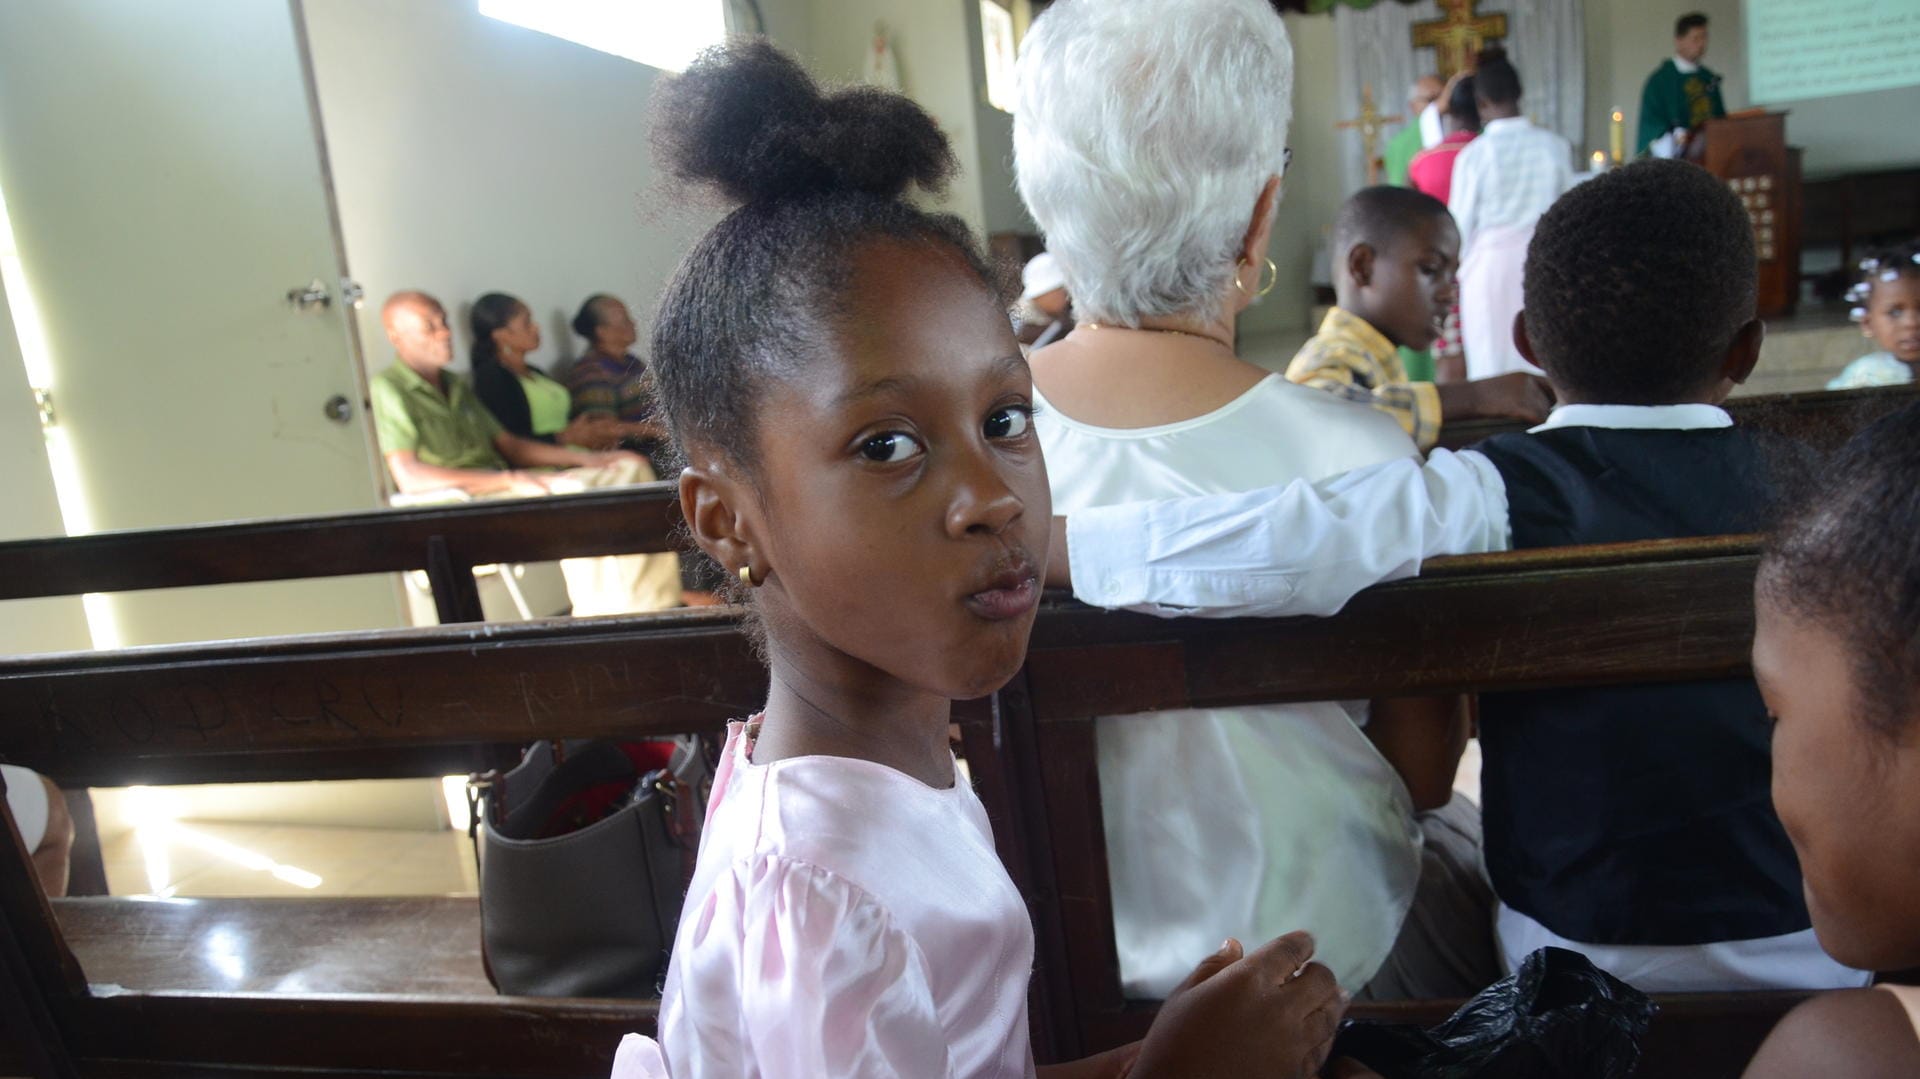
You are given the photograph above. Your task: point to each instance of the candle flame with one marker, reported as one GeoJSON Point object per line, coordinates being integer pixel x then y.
{"type": "Point", "coordinates": [1618, 116]}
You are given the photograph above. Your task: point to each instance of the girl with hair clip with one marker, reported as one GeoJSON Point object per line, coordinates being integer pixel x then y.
{"type": "Point", "coordinates": [1836, 651]}
{"type": "Point", "coordinates": [838, 369]}
{"type": "Point", "coordinates": [1886, 304]}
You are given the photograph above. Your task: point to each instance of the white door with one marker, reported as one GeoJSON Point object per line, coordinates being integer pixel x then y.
{"type": "Point", "coordinates": [163, 169]}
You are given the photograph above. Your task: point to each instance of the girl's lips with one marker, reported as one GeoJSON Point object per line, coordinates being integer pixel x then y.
{"type": "Point", "coordinates": [1009, 600]}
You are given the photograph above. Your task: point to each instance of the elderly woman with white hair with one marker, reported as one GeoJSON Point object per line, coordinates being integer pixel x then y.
{"type": "Point", "coordinates": [1149, 144]}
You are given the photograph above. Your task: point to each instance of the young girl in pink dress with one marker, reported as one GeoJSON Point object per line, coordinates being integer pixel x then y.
{"type": "Point", "coordinates": [1836, 651]}
{"type": "Point", "coordinates": [840, 372]}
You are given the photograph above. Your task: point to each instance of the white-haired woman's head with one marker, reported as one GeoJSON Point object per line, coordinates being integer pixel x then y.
{"type": "Point", "coordinates": [1146, 133]}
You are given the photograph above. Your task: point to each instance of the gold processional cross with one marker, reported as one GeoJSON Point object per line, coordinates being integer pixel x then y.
{"type": "Point", "coordinates": [1370, 123]}
{"type": "Point", "coordinates": [1459, 36]}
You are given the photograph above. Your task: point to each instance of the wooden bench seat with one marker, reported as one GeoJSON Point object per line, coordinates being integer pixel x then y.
{"type": "Point", "coordinates": [227, 710]}
{"type": "Point", "coordinates": [407, 945]}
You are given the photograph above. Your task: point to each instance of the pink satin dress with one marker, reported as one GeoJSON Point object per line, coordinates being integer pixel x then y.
{"type": "Point", "coordinates": [845, 919]}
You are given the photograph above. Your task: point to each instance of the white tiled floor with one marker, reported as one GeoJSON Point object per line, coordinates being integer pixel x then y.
{"type": "Point", "coordinates": [222, 859]}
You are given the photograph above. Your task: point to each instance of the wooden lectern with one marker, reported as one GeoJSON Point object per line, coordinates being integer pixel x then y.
{"type": "Point", "coordinates": [1749, 151]}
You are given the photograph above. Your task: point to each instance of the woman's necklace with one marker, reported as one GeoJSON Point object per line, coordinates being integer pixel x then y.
{"type": "Point", "coordinates": [1158, 329]}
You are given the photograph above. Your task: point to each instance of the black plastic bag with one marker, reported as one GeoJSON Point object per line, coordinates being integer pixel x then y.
{"type": "Point", "coordinates": [1558, 1017]}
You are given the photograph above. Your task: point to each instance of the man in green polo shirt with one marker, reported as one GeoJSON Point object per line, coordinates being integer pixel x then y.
{"type": "Point", "coordinates": [436, 435]}
{"type": "Point", "coordinates": [433, 431]}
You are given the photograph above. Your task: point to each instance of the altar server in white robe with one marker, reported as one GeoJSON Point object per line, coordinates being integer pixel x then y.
{"type": "Point", "coordinates": [1502, 182]}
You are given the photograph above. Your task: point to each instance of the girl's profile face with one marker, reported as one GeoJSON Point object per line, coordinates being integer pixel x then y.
{"type": "Point", "coordinates": [905, 497]}
{"type": "Point", "coordinates": [1848, 794]}
{"type": "Point", "coordinates": [1893, 317]}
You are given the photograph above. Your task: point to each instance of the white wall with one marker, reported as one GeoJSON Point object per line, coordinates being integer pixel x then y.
{"type": "Point", "coordinates": [1312, 191]}
{"type": "Point", "coordinates": [26, 489]}
{"type": "Point", "coordinates": [1627, 39]}
{"type": "Point", "coordinates": [930, 39]}
{"type": "Point", "coordinates": [471, 156]}
{"type": "Point", "coordinates": [1001, 209]}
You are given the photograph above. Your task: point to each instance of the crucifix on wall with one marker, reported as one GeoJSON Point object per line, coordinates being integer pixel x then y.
{"type": "Point", "coordinates": [1370, 124]}
{"type": "Point", "coordinates": [1458, 36]}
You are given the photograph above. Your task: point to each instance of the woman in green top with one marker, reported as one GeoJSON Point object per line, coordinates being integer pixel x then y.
{"type": "Point", "coordinates": [521, 396]}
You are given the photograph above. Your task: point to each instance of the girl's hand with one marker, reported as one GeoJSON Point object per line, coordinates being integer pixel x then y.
{"type": "Point", "coordinates": [1268, 1013]}
{"type": "Point", "coordinates": [1112, 1064]}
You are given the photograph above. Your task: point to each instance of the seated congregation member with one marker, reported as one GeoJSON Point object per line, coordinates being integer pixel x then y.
{"type": "Point", "coordinates": [40, 815]}
{"type": "Point", "coordinates": [1045, 308]}
{"type": "Point", "coordinates": [1502, 182]}
{"type": "Point", "coordinates": [612, 385]}
{"type": "Point", "coordinates": [1836, 658]}
{"type": "Point", "coordinates": [1886, 302]}
{"type": "Point", "coordinates": [857, 419]}
{"type": "Point", "coordinates": [526, 401]}
{"type": "Point", "coordinates": [1432, 174]}
{"type": "Point", "coordinates": [608, 382]}
{"type": "Point", "coordinates": [1395, 251]}
{"type": "Point", "coordinates": [1267, 817]}
{"type": "Point", "coordinates": [436, 436]}
{"type": "Point", "coordinates": [1630, 823]}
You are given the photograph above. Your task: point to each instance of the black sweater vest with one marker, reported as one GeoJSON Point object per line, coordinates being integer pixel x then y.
{"type": "Point", "coordinates": [1635, 814]}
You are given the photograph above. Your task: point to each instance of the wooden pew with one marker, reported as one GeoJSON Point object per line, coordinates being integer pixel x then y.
{"type": "Point", "coordinates": [225, 710]}
{"type": "Point", "coordinates": [1673, 610]}
{"type": "Point", "coordinates": [407, 703]}
{"type": "Point", "coordinates": [445, 541]}
{"type": "Point", "coordinates": [246, 710]}
{"type": "Point", "coordinates": [1821, 419]}
{"type": "Point", "coordinates": [463, 1035]}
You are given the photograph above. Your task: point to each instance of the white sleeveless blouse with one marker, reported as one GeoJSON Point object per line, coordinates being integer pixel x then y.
{"type": "Point", "coordinates": [1251, 821]}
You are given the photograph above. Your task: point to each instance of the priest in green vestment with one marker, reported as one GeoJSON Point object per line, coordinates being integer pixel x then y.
{"type": "Point", "coordinates": [1681, 93]}
{"type": "Point", "coordinates": [1412, 138]}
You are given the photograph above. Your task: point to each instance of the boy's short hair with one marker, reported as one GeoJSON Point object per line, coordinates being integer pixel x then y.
{"type": "Point", "coordinates": [1377, 216]}
{"type": "Point", "coordinates": [1495, 80]}
{"type": "Point", "coordinates": [1464, 105]}
{"type": "Point", "coordinates": [1637, 282]}
{"type": "Point", "coordinates": [1688, 23]}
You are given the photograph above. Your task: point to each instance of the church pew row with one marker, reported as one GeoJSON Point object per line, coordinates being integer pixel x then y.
{"type": "Point", "coordinates": [1669, 610]}
{"type": "Point", "coordinates": [241, 710]}
{"type": "Point", "coordinates": [444, 540]}
{"type": "Point", "coordinates": [1821, 419]}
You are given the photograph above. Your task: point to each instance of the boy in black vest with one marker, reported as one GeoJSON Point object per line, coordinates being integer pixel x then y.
{"type": "Point", "coordinates": [1630, 823]}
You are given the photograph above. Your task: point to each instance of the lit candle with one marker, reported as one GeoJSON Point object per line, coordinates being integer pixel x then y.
{"type": "Point", "coordinates": [1599, 161]}
{"type": "Point", "coordinates": [1618, 131]}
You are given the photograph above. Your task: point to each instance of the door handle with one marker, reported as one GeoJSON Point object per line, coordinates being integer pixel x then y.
{"type": "Point", "coordinates": [338, 408]}
{"type": "Point", "coordinates": [309, 296]}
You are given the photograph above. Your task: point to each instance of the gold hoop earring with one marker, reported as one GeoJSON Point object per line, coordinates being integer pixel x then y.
{"type": "Point", "coordinates": [1272, 275]}
{"type": "Point", "coordinates": [746, 577]}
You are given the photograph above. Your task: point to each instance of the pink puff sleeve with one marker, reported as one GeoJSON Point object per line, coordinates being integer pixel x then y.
{"type": "Point", "coordinates": [789, 971]}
